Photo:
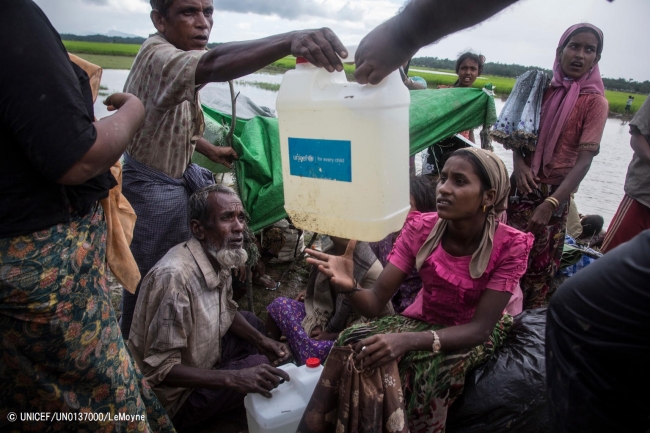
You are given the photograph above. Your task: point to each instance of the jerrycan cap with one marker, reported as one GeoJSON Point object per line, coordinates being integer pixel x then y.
{"type": "Point", "coordinates": [300, 60]}
{"type": "Point", "coordinates": [312, 362]}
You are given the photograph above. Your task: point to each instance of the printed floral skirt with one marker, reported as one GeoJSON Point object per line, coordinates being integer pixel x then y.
{"type": "Point", "coordinates": [545, 256]}
{"type": "Point", "coordinates": [62, 352]}
{"type": "Point", "coordinates": [430, 383]}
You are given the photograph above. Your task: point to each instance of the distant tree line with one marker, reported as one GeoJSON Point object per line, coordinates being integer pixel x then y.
{"type": "Point", "coordinates": [630, 86]}
{"type": "Point", "coordinates": [513, 70]}
{"type": "Point", "coordinates": [103, 38]}
{"type": "Point", "coordinates": [114, 39]}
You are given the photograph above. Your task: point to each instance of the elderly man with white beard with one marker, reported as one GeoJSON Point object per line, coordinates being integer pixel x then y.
{"type": "Point", "coordinates": [198, 353]}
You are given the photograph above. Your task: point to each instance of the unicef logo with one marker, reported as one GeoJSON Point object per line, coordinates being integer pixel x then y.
{"type": "Point", "coordinates": [303, 158]}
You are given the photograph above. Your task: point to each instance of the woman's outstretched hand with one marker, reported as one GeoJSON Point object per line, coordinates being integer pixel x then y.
{"type": "Point", "coordinates": [339, 269]}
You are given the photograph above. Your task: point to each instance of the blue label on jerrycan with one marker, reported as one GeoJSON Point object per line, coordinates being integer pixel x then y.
{"type": "Point", "coordinates": [320, 159]}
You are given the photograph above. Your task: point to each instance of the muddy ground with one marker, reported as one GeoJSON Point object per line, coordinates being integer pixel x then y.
{"type": "Point", "coordinates": [293, 281]}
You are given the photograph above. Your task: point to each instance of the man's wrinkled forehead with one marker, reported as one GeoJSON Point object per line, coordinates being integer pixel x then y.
{"type": "Point", "coordinates": [227, 202]}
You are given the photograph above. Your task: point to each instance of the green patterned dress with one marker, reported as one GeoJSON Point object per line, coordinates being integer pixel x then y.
{"type": "Point", "coordinates": [430, 383]}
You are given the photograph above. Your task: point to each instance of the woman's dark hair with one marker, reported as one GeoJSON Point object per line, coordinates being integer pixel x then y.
{"type": "Point", "coordinates": [478, 167]}
{"type": "Point", "coordinates": [479, 59]}
{"type": "Point", "coordinates": [599, 49]}
{"type": "Point", "coordinates": [591, 225]}
{"type": "Point", "coordinates": [423, 191]}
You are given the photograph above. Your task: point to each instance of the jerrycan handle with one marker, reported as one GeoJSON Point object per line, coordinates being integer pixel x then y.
{"type": "Point", "coordinates": [322, 78]}
{"type": "Point", "coordinates": [393, 77]}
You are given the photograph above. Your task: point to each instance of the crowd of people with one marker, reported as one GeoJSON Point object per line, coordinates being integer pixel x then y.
{"type": "Point", "coordinates": [436, 299]}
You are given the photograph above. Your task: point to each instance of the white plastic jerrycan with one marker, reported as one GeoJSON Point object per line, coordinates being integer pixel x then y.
{"type": "Point", "coordinates": [282, 412]}
{"type": "Point", "coordinates": [345, 151]}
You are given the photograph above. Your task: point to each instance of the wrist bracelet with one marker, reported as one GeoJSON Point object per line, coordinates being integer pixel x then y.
{"type": "Point", "coordinates": [355, 289]}
{"type": "Point", "coordinates": [553, 201]}
{"type": "Point", "coordinates": [435, 346]}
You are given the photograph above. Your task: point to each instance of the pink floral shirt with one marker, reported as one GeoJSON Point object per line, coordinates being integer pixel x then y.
{"type": "Point", "coordinates": [449, 295]}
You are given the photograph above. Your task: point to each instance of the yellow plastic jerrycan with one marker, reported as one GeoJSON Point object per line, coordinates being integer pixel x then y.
{"type": "Point", "coordinates": [344, 152]}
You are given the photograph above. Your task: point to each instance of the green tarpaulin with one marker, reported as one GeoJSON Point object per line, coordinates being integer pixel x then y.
{"type": "Point", "coordinates": [437, 114]}
{"type": "Point", "coordinates": [434, 116]}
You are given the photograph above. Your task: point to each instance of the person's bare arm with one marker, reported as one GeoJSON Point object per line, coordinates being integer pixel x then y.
{"type": "Point", "coordinates": [274, 350]}
{"type": "Point", "coordinates": [524, 178]}
{"type": "Point", "coordinates": [236, 59]}
{"type": "Point", "coordinates": [382, 348]}
{"type": "Point", "coordinates": [220, 154]}
{"type": "Point", "coordinates": [641, 147]}
{"type": "Point", "coordinates": [421, 23]}
{"type": "Point", "coordinates": [114, 133]}
{"type": "Point", "coordinates": [414, 85]}
{"type": "Point", "coordinates": [260, 379]}
{"type": "Point", "coordinates": [543, 213]}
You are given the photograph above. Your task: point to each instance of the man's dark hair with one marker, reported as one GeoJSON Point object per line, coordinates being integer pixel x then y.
{"type": "Point", "coordinates": [423, 191]}
{"type": "Point", "coordinates": [198, 207]}
{"type": "Point", "coordinates": [161, 5]}
{"type": "Point", "coordinates": [591, 225]}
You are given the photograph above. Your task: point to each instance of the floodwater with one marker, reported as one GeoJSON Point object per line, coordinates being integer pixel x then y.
{"type": "Point", "coordinates": [600, 192]}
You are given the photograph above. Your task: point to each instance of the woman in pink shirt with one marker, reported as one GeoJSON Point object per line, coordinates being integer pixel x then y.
{"type": "Point", "coordinates": [470, 266]}
{"type": "Point", "coordinates": [573, 115]}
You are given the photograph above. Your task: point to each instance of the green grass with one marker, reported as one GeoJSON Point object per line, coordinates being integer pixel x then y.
{"type": "Point", "coordinates": [108, 62]}
{"type": "Point", "coordinates": [617, 101]}
{"type": "Point", "coordinates": [289, 62]}
{"type": "Point", "coordinates": [504, 86]}
{"type": "Point", "coordinates": [105, 48]}
{"type": "Point", "coordinates": [260, 84]}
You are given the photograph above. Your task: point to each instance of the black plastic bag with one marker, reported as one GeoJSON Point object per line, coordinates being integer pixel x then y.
{"type": "Point", "coordinates": [508, 392]}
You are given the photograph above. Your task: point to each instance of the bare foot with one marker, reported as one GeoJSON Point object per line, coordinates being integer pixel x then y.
{"type": "Point", "coordinates": [265, 281]}
{"type": "Point", "coordinates": [301, 296]}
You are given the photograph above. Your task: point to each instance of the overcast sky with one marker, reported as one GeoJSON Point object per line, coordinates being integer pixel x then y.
{"type": "Point", "coordinates": [526, 33]}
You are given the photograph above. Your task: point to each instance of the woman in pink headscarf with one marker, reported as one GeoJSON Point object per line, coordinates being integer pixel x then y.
{"type": "Point", "coordinates": [574, 111]}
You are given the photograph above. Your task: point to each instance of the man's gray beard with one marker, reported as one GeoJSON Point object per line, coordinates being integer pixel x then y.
{"type": "Point", "coordinates": [228, 258]}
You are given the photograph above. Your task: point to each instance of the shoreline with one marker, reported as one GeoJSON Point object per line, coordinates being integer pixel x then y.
{"type": "Point", "coordinates": [107, 61]}
{"type": "Point", "coordinates": [616, 115]}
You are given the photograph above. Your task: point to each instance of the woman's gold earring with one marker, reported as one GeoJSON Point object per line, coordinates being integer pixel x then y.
{"type": "Point", "coordinates": [484, 208]}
